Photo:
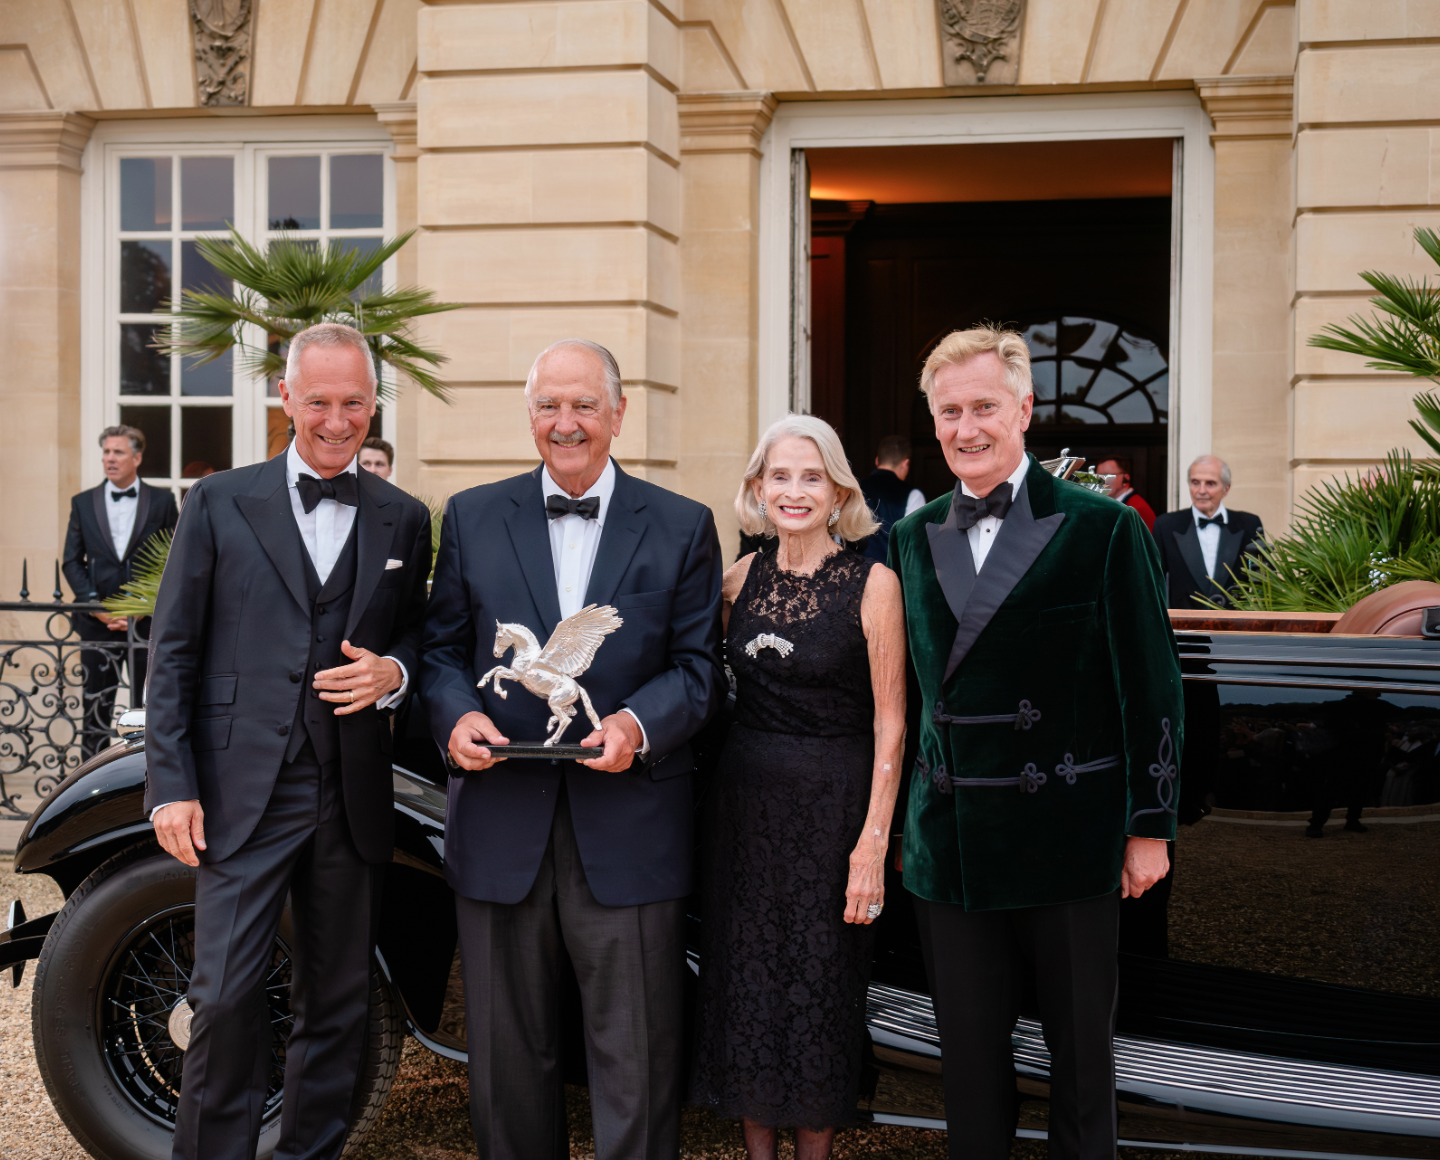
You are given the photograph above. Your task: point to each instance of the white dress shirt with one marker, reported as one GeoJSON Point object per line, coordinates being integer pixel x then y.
{"type": "Point", "coordinates": [982, 534]}
{"type": "Point", "coordinates": [914, 501]}
{"type": "Point", "coordinates": [574, 543]}
{"type": "Point", "coordinates": [1209, 537]}
{"type": "Point", "coordinates": [122, 514]}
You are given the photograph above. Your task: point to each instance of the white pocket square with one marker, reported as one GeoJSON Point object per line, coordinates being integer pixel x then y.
{"type": "Point", "coordinates": [394, 564]}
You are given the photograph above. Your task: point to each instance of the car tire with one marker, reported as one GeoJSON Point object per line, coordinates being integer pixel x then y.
{"type": "Point", "coordinates": [115, 1109]}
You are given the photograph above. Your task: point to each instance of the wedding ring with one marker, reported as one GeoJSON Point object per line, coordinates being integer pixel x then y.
{"type": "Point", "coordinates": [352, 695]}
{"type": "Point", "coordinates": [874, 910]}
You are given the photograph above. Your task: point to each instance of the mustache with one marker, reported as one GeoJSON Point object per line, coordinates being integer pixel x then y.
{"type": "Point", "coordinates": [568, 440]}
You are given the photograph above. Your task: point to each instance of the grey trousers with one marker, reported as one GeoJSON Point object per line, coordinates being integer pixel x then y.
{"type": "Point", "coordinates": [630, 961]}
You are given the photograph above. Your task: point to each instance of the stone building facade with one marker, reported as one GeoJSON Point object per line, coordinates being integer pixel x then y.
{"type": "Point", "coordinates": [633, 171]}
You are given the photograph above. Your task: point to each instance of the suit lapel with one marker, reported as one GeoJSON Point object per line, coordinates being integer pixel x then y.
{"type": "Point", "coordinates": [1188, 542]}
{"type": "Point", "coordinates": [1021, 539]}
{"type": "Point", "coordinates": [102, 518]}
{"type": "Point", "coordinates": [373, 539]}
{"type": "Point", "coordinates": [618, 540]}
{"type": "Point", "coordinates": [530, 535]}
{"type": "Point", "coordinates": [954, 561]}
{"type": "Point", "coordinates": [1228, 554]}
{"type": "Point", "coordinates": [142, 513]}
{"type": "Point", "coordinates": [267, 508]}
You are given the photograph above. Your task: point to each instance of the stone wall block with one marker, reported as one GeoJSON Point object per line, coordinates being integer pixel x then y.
{"type": "Point", "coordinates": [169, 48]}
{"type": "Point", "coordinates": [530, 109]}
{"type": "Point", "coordinates": [1327, 20]}
{"type": "Point", "coordinates": [1332, 248]}
{"type": "Point", "coordinates": [282, 32]}
{"type": "Point", "coordinates": [1364, 167]}
{"type": "Point", "coordinates": [1356, 419]}
{"type": "Point", "coordinates": [1311, 315]}
{"type": "Point", "coordinates": [649, 432]}
{"type": "Point", "coordinates": [1389, 83]}
{"type": "Point", "coordinates": [1054, 41]}
{"type": "Point", "coordinates": [906, 38]}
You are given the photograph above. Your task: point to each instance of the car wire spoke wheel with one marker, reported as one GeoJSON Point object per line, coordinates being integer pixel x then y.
{"type": "Point", "coordinates": [144, 1016]}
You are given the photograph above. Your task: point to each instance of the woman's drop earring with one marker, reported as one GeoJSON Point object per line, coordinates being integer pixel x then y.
{"type": "Point", "coordinates": [762, 510]}
{"type": "Point", "coordinates": [834, 517]}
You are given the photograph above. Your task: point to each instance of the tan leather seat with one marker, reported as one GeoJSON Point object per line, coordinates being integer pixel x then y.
{"type": "Point", "coordinates": [1394, 611]}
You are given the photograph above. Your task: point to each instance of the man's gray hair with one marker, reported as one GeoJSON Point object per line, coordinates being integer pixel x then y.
{"type": "Point", "coordinates": [134, 434]}
{"type": "Point", "coordinates": [607, 363]}
{"type": "Point", "coordinates": [1224, 468]}
{"type": "Point", "coordinates": [327, 334]}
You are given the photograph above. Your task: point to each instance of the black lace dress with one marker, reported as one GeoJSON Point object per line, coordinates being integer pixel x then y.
{"type": "Point", "coordinates": [781, 1028]}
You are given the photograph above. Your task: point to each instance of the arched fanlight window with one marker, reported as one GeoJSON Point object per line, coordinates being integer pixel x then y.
{"type": "Point", "coordinates": [1087, 370]}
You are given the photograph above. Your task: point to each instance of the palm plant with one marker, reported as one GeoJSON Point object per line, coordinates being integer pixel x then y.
{"type": "Point", "coordinates": [137, 595]}
{"type": "Point", "coordinates": [1352, 537]}
{"type": "Point", "coordinates": [295, 284]}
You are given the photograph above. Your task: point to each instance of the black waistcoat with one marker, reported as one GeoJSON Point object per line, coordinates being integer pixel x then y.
{"type": "Point", "coordinates": [329, 610]}
{"type": "Point", "coordinates": [887, 495]}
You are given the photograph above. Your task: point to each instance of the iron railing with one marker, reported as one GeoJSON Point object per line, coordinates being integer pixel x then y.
{"type": "Point", "coordinates": [57, 693]}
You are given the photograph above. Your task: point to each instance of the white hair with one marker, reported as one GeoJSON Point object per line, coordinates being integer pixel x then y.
{"type": "Point", "coordinates": [329, 335]}
{"type": "Point", "coordinates": [856, 521]}
{"type": "Point", "coordinates": [1224, 468]}
{"type": "Point", "coordinates": [607, 363]}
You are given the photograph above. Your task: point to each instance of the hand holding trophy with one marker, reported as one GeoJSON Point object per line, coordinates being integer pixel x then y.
{"type": "Point", "coordinates": [551, 673]}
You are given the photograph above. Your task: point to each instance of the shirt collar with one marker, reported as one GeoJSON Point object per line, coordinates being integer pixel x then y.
{"type": "Point", "coordinates": [295, 466]}
{"type": "Point", "coordinates": [603, 488]}
{"type": "Point", "coordinates": [1219, 511]}
{"type": "Point", "coordinates": [111, 489]}
{"type": "Point", "coordinates": [1016, 477]}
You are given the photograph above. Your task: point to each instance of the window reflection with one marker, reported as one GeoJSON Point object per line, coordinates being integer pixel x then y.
{"type": "Point", "coordinates": [155, 422]}
{"type": "Point", "coordinates": [143, 369]}
{"type": "Point", "coordinates": [204, 441]}
{"type": "Point", "coordinates": [1104, 373]}
{"type": "Point", "coordinates": [212, 379]}
{"type": "Point", "coordinates": [197, 275]}
{"type": "Point", "coordinates": [145, 193]}
{"type": "Point", "coordinates": [294, 188]}
{"type": "Point", "coordinates": [207, 193]}
{"type": "Point", "coordinates": [356, 192]}
{"type": "Point", "coordinates": [365, 246]}
{"type": "Point", "coordinates": [144, 276]}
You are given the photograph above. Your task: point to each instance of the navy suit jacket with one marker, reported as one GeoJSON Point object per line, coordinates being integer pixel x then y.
{"type": "Point", "coordinates": [659, 566]}
{"type": "Point", "coordinates": [1184, 564]}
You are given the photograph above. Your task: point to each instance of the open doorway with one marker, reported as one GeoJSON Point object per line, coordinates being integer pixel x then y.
{"type": "Point", "coordinates": [1068, 241]}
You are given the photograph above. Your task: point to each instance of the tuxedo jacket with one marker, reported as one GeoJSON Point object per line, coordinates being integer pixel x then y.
{"type": "Point", "coordinates": [1050, 700]}
{"type": "Point", "coordinates": [659, 565]}
{"type": "Point", "coordinates": [230, 643]}
{"type": "Point", "coordinates": [1184, 564]}
{"type": "Point", "coordinates": [91, 566]}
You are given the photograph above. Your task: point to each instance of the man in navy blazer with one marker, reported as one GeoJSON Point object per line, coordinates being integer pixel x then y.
{"type": "Point", "coordinates": [593, 857]}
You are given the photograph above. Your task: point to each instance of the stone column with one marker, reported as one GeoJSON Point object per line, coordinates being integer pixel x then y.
{"type": "Point", "coordinates": [719, 293]}
{"type": "Point", "coordinates": [1367, 93]}
{"type": "Point", "coordinates": [548, 197]}
{"type": "Point", "coordinates": [40, 335]}
{"type": "Point", "coordinates": [1250, 407]}
{"type": "Point", "coordinates": [400, 118]}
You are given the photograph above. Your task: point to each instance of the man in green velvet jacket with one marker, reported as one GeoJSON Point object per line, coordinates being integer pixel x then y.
{"type": "Point", "coordinates": [1051, 724]}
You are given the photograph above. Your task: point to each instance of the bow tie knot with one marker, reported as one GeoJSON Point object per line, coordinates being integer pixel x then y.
{"type": "Point", "coordinates": [1206, 521]}
{"type": "Point", "coordinates": [129, 493]}
{"type": "Point", "coordinates": [971, 509]}
{"type": "Point", "coordinates": [343, 488]}
{"type": "Point", "coordinates": [587, 508]}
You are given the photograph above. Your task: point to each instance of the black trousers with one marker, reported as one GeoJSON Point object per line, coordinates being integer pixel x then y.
{"type": "Point", "coordinates": [977, 963]}
{"type": "Point", "coordinates": [302, 849]}
{"type": "Point", "coordinates": [102, 667]}
{"type": "Point", "coordinates": [630, 962]}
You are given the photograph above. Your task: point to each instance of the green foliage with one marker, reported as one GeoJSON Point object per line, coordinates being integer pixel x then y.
{"type": "Point", "coordinates": [1349, 538]}
{"type": "Point", "coordinates": [295, 284]}
{"type": "Point", "coordinates": [137, 597]}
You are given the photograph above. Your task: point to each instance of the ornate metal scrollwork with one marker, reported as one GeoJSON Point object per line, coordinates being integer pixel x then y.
{"type": "Point", "coordinates": [977, 34]}
{"type": "Point", "coordinates": [222, 50]}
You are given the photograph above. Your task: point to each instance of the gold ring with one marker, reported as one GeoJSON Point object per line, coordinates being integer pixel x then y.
{"type": "Point", "coordinates": [352, 695]}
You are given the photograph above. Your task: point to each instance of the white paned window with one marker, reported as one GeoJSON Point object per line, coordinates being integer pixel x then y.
{"type": "Point", "coordinates": [148, 201]}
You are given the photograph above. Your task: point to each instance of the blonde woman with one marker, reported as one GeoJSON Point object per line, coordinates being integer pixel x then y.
{"type": "Point", "coordinates": [800, 821]}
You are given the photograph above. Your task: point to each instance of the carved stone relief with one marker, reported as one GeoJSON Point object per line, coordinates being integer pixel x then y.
{"type": "Point", "coordinates": [222, 50]}
{"type": "Point", "coordinates": [981, 41]}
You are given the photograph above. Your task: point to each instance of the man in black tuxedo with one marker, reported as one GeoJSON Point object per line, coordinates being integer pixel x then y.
{"type": "Point", "coordinates": [548, 857]}
{"type": "Point", "coordinates": [291, 585]}
{"type": "Point", "coordinates": [108, 525]}
{"type": "Point", "coordinates": [1201, 546]}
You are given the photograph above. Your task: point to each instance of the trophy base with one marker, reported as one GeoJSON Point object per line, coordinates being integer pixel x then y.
{"type": "Point", "coordinates": [538, 749]}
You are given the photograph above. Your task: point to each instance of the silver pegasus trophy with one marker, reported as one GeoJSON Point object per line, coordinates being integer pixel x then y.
{"type": "Point", "coordinates": [550, 672]}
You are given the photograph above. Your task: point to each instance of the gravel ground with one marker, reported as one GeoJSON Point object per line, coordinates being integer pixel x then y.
{"type": "Point", "coordinates": [427, 1116]}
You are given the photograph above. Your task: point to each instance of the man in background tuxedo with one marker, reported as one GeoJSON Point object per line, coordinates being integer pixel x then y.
{"type": "Point", "coordinates": [288, 621]}
{"type": "Point", "coordinates": [886, 494]}
{"type": "Point", "coordinates": [590, 859]}
{"type": "Point", "coordinates": [108, 525]}
{"type": "Point", "coordinates": [1201, 546]}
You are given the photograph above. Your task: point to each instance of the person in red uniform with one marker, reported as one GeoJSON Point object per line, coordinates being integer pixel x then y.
{"type": "Point", "coordinates": [1118, 469]}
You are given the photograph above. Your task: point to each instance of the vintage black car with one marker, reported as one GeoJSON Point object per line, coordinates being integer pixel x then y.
{"type": "Point", "coordinates": [1280, 994]}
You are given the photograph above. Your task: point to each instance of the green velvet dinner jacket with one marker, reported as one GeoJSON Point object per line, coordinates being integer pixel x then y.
{"type": "Point", "coordinates": [1051, 706]}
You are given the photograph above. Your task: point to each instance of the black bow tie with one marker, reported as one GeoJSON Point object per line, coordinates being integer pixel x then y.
{"type": "Point", "coordinates": [562, 505]}
{"type": "Point", "coordinates": [342, 489]}
{"type": "Point", "coordinates": [971, 509]}
{"type": "Point", "coordinates": [1205, 521]}
{"type": "Point", "coordinates": [119, 495]}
